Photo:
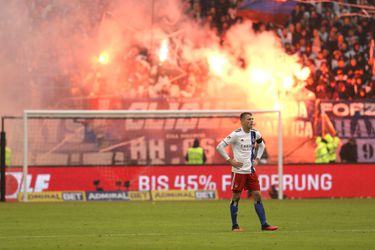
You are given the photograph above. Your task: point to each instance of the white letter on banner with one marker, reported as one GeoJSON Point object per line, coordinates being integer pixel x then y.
{"type": "Point", "coordinates": [356, 106]}
{"type": "Point", "coordinates": [42, 182]}
{"type": "Point", "coordinates": [163, 182]}
{"type": "Point", "coordinates": [325, 107]}
{"type": "Point", "coordinates": [300, 182]}
{"type": "Point", "coordinates": [288, 182]}
{"type": "Point", "coordinates": [143, 183]}
{"type": "Point", "coordinates": [313, 182]}
{"type": "Point", "coordinates": [264, 182]}
{"type": "Point", "coordinates": [156, 151]}
{"type": "Point", "coordinates": [226, 181]}
{"type": "Point", "coordinates": [326, 180]}
{"type": "Point", "coordinates": [29, 178]}
{"type": "Point", "coordinates": [369, 109]}
{"type": "Point", "coordinates": [138, 149]}
{"type": "Point", "coordinates": [302, 111]}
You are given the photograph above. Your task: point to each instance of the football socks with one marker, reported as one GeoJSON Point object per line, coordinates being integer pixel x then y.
{"type": "Point", "coordinates": [260, 212]}
{"type": "Point", "coordinates": [234, 211]}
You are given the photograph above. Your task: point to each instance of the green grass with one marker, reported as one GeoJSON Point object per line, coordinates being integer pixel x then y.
{"type": "Point", "coordinates": [304, 224]}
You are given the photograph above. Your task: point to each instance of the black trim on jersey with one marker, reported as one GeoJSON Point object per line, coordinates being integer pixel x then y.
{"type": "Point", "coordinates": [237, 130]}
{"type": "Point", "coordinates": [252, 136]}
{"type": "Point", "coordinates": [260, 140]}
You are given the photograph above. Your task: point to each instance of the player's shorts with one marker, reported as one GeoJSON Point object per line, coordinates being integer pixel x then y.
{"type": "Point", "coordinates": [245, 182]}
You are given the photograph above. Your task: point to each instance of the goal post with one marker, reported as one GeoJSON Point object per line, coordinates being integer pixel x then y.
{"type": "Point", "coordinates": [143, 114]}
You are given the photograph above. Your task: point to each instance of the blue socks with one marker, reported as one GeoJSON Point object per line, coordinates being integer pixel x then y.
{"type": "Point", "coordinates": [260, 212]}
{"type": "Point", "coordinates": [234, 211]}
{"type": "Point", "coordinates": [258, 205]}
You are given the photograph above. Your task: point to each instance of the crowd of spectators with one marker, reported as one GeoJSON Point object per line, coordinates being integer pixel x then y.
{"type": "Point", "coordinates": [335, 46]}
{"type": "Point", "coordinates": [135, 72]}
{"type": "Point", "coordinates": [329, 39]}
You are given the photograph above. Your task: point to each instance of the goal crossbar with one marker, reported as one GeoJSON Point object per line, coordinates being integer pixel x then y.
{"type": "Point", "coordinates": [144, 114]}
{"type": "Point", "coordinates": [131, 114]}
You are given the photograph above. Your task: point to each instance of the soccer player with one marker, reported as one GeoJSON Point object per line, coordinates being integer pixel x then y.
{"type": "Point", "coordinates": [243, 167]}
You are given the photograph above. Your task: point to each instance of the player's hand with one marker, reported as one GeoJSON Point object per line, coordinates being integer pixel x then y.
{"type": "Point", "coordinates": [235, 163]}
{"type": "Point", "coordinates": [256, 161]}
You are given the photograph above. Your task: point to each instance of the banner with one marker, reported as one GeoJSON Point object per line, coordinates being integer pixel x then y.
{"type": "Point", "coordinates": [132, 142]}
{"type": "Point", "coordinates": [183, 195]}
{"type": "Point", "coordinates": [107, 196]}
{"type": "Point", "coordinates": [42, 196]}
{"type": "Point", "coordinates": [102, 183]}
{"type": "Point", "coordinates": [173, 195]}
{"type": "Point", "coordinates": [354, 119]}
{"type": "Point", "coordinates": [53, 196]}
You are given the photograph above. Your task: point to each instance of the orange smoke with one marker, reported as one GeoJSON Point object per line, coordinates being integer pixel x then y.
{"type": "Point", "coordinates": [249, 63]}
{"type": "Point", "coordinates": [164, 50]}
{"type": "Point", "coordinates": [103, 58]}
{"type": "Point", "coordinates": [217, 63]}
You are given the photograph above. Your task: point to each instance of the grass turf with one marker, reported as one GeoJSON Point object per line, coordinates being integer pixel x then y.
{"type": "Point", "coordinates": [304, 224]}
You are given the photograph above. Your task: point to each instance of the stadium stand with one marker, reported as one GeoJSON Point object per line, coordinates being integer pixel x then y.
{"type": "Point", "coordinates": [336, 46]}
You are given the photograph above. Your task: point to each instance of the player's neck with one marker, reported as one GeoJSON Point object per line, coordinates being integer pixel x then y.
{"type": "Point", "coordinates": [246, 130]}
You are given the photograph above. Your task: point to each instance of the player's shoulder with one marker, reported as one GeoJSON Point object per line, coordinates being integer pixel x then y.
{"type": "Point", "coordinates": [234, 134]}
{"type": "Point", "coordinates": [257, 132]}
{"type": "Point", "coordinates": [237, 130]}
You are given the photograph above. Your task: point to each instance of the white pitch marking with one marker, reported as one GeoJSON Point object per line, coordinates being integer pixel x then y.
{"type": "Point", "coordinates": [176, 234]}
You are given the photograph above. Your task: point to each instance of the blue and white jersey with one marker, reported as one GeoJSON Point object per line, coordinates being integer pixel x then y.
{"type": "Point", "coordinates": [243, 146]}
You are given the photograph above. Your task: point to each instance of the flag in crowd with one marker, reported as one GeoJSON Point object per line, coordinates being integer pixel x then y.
{"type": "Point", "coordinates": [275, 11]}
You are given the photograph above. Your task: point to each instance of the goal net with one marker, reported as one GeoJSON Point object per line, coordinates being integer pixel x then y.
{"type": "Point", "coordinates": [119, 142]}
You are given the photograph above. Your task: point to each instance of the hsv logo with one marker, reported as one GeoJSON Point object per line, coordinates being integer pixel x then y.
{"type": "Point", "coordinates": [15, 183]}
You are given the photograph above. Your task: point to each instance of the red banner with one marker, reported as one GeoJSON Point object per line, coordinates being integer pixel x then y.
{"type": "Point", "coordinates": [300, 181]}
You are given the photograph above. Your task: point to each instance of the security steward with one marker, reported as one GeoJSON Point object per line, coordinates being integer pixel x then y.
{"type": "Point", "coordinates": [195, 154]}
{"type": "Point", "coordinates": [321, 150]}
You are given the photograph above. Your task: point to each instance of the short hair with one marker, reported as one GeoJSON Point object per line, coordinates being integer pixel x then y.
{"type": "Point", "coordinates": [242, 115]}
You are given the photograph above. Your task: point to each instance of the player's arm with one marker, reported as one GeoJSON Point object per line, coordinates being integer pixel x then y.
{"type": "Point", "coordinates": [221, 149]}
{"type": "Point", "coordinates": [261, 147]}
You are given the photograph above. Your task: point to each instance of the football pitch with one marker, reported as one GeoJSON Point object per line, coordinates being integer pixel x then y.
{"type": "Point", "coordinates": [304, 224]}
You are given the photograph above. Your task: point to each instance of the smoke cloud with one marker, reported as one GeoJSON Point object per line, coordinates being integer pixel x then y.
{"type": "Point", "coordinates": [46, 45]}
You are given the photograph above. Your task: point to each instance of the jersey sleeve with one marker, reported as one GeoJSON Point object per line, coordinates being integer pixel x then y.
{"type": "Point", "coordinates": [258, 137]}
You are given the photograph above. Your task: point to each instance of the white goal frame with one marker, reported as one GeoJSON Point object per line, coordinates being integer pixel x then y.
{"type": "Point", "coordinates": [132, 114]}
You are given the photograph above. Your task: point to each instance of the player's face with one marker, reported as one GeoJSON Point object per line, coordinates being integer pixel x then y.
{"type": "Point", "coordinates": [247, 122]}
